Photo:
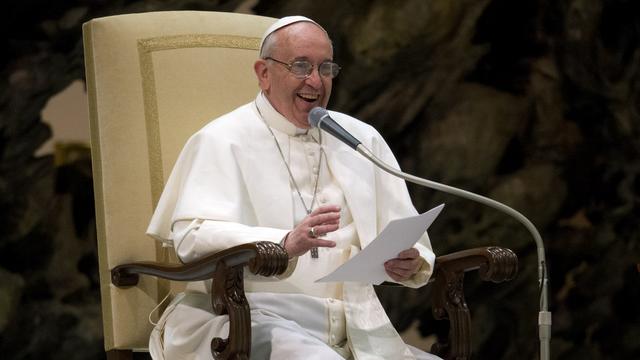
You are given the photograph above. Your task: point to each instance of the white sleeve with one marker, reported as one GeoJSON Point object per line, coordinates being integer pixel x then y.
{"type": "Point", "coordinates": [394, 202]}
{"type": "Point", "coordinates": [196, 238]}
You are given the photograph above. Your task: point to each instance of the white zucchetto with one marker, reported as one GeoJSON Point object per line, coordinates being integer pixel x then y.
{"type": "Point", "coordinates": [285, 21]}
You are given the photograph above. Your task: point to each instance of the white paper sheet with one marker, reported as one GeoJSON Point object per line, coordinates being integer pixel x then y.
{"type": "Point", "coordinates": [368, 265]}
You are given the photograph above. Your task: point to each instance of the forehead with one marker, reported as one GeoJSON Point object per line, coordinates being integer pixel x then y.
{"type": "Point", "coordinates": [304, 39]}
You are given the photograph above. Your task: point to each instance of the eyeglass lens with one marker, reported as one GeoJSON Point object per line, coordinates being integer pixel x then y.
{"type": "Point", "coordinates": [302, 69]}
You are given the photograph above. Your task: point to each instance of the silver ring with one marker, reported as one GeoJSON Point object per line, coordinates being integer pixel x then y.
{"type": "Point", "coordinates": [312, 232]}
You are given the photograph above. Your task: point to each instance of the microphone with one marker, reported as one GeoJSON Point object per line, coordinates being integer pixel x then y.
{"type": "Point", "coordinates": [319, 117]}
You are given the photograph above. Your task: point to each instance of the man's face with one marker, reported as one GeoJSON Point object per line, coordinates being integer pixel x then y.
{"type": "Point", "coordinates": [290, 96]}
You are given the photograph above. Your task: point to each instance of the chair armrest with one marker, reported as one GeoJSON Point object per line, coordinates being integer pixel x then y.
{"type": "Point", "coordinates": [225, 268]}
{"type": "Point", "coordinates": [494, 264]}
{"type": "Point", "coordinates": [264, 258]}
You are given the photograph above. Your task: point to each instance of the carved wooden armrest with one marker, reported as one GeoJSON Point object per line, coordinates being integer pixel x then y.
{"type": "Point", "coordinates": [494, 264]}
{"type": "Point", "coordinates": [227, 296]}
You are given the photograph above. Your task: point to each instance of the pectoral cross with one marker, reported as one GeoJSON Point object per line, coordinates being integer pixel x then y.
{"type": "Point", "coordinates": [314, 250]}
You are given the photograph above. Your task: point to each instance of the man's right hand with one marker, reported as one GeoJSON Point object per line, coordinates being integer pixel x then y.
{"type": "Point", "coordinates": [323, 220]}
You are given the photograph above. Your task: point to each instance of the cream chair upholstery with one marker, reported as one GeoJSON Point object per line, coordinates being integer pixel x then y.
{"type": "Point", "coordinates": [153, 79]}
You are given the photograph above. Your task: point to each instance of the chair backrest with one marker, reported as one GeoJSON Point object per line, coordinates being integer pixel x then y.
{"type": "Point", "coordinates": [153, 79]}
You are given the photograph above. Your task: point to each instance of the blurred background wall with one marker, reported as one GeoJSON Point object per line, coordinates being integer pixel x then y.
{"type": "Point", "coordinates": [535, 103]}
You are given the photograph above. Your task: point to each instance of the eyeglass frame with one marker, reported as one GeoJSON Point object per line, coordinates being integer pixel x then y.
{"type": "Point", "coordinates": [289, 66]}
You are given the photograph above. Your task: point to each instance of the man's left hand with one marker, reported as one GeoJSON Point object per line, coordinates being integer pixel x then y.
{"type": "Point", "coordinates": [404, 266]}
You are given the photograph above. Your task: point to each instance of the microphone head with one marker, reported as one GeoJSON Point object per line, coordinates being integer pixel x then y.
{"type": "Point", "coordinates": [316, 114]}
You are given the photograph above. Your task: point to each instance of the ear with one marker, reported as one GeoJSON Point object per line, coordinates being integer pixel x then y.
{"type": "Point", "coordinates": [262, 73]}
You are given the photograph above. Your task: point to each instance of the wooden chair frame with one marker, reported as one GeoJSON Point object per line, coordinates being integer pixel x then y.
{"type": "Point", "coordinates": [226, 268]}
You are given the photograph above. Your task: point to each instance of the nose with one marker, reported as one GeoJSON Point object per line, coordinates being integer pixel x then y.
{"type": "Point", "coordinates": [314, 79]}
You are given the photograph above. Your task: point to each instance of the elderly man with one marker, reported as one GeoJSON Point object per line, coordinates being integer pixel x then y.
{"type": "Point", "coordinates": [260, 173]}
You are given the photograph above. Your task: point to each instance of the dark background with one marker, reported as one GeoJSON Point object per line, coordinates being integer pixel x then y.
{"type": "Point", "coordinates": [535, 103]}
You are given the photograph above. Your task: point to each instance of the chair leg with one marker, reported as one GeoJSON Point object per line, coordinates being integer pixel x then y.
{"type": "Point", "coordinates": [449, 303]}
{"type": "Point", "coordinates": [227, 297]}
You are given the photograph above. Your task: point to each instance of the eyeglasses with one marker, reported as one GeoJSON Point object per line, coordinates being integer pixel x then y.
{"type": "Point", "coordinates": [302, 69]}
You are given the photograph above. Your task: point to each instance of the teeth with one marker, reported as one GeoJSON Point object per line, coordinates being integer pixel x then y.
{"type": "Point", "coordinates": [309, 96]}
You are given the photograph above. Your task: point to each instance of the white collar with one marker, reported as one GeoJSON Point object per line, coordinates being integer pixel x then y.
{"type": "Point", "coordinates": [275, 120]}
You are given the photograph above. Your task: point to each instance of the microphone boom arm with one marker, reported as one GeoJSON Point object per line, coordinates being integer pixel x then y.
{"type": "Point", "coordinates": [544, 316]}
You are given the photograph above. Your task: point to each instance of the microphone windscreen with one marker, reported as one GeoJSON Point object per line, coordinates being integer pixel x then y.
{"type": "Point", "coordinates": [316, 114]}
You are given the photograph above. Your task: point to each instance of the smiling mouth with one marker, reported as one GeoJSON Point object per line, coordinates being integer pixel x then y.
{"type": "Point", "coordinates": [308, 97]}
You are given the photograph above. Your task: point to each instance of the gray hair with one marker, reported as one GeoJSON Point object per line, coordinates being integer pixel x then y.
{"type": "Point", "coordinates": [269, 44]}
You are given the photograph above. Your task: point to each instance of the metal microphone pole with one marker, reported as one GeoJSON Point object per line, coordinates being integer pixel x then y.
{"type": "Point", "coordinates": [544, 316]}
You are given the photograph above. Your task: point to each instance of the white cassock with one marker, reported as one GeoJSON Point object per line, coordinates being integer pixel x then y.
{"type": "Point", "coordinates": [231, 186]}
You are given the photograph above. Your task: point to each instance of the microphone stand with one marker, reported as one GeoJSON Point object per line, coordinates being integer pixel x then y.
{"type": "Point", "coordinates": [544, 316]}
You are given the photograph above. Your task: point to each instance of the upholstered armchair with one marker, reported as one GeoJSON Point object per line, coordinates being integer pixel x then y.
{"type": "Point", "coordinates": [153, 79]}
